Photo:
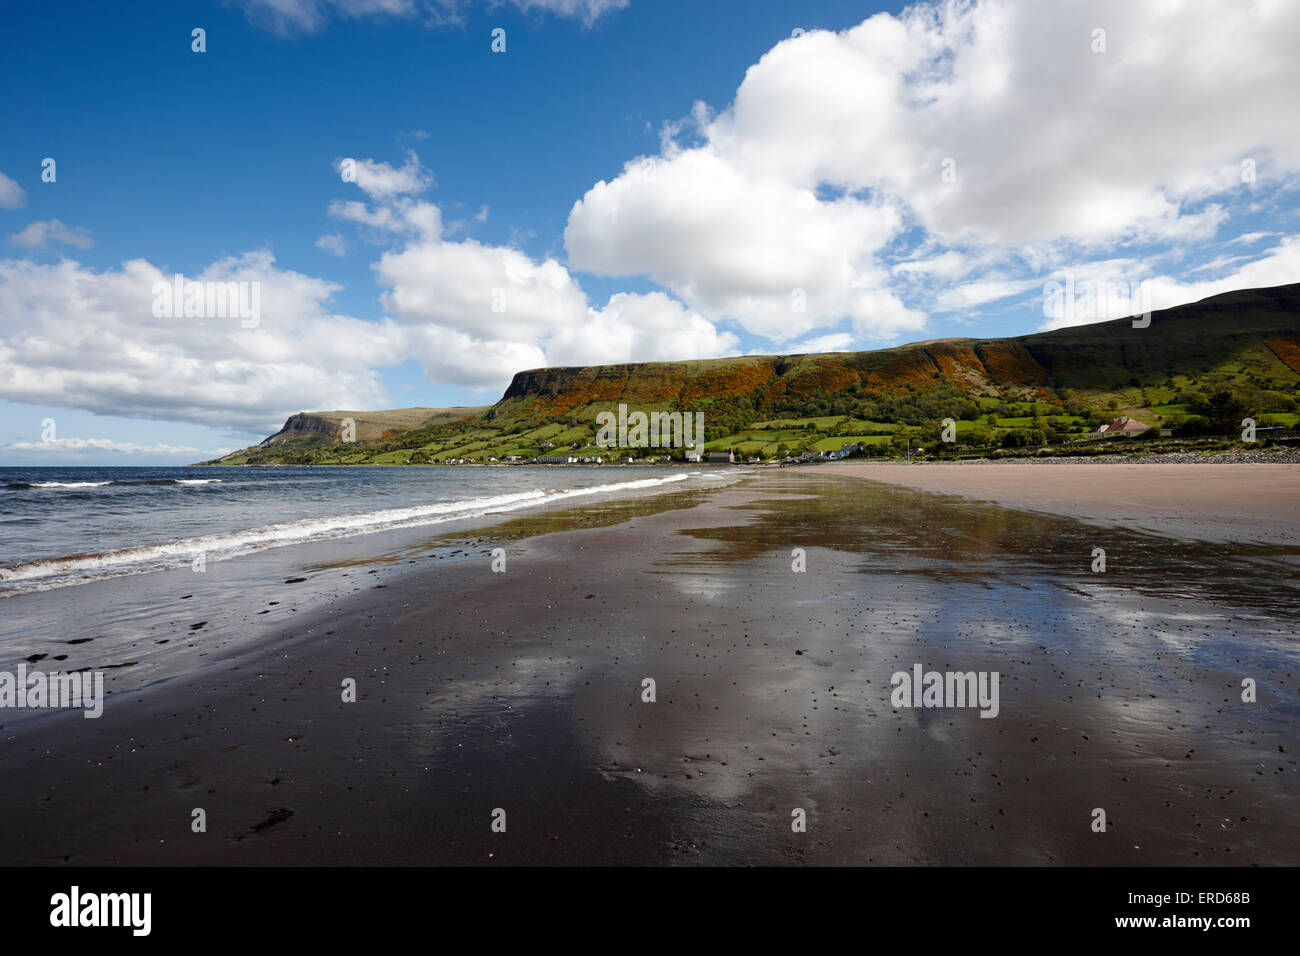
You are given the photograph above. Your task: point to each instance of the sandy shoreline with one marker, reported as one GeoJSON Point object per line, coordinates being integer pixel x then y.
{"type": "Point", "coordinates": [1245, 503]}
{"type": "Point", "coordinates": [522, 691]}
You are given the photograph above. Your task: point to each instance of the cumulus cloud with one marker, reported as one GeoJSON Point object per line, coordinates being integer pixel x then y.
{"type": "Point", "coordinates": [40, 234]}
{"type": "Point", "coordinates": [82, 338]}
{"type": "Point", "coordinates": [978, 132]}
{"type": "Point", "coordinates": [473, 314]}
{"type": "Point", "coordinates": [470, 313]}
{"type": "Point", "coordinates": [12, 196]}
{"type": "Point", "coordinates": [479, 313]}
{"type": "Point", "coordinates": [472, 287]}
{"type": "Point", "coordinates": [650, 327]}
{"type": "Point", "coordinates": [1048, 139]}
{"type": "Point", "coordinates": [381, 181]}
{"type": "Point", "coordinates": [395, 210]}
{"type": "Point", "coordinates": [759, 251]}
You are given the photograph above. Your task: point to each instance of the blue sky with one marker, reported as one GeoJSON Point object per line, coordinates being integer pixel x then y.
{"type": "Point", "coordinates": [614, 175]}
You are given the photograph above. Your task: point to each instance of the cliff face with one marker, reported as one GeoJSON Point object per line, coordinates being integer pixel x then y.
{"type": "Point", "coordinates": [300, 425]}
{"type": "Point", "coordinates": [1101, 355]}
{"type": "Point", "coordinates": [369, 426]}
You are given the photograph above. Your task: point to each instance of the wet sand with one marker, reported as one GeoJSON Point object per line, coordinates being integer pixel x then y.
{"type": "Point", "coordinates": [1212, 502]}
{"type": "Point", "coordinates": [522, 691]}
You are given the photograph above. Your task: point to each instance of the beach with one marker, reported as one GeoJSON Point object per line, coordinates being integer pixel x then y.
{"type": "Point", "coordinates": [1253, 503]}
{"type": "Point", "coordinates": [503, 717]}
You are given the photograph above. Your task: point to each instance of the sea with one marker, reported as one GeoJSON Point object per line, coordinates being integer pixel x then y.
{"type": "Point", "coordinates": [61, 527]}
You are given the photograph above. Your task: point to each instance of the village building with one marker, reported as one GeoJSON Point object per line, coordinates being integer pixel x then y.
{"type": "Point", "coordinates": [1122, 425]}
{"type": "Point", "coordinates": [844, 451]}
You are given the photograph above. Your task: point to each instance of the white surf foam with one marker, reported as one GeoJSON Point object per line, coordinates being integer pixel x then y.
{"type": "Point", "coordinates": [78, 569]}
{"type": "Point", "coordinates": [69, 484]}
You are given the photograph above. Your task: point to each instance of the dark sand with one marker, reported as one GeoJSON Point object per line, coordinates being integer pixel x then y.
{"type": "Point", "coordinates": [522, 691]}
{"type": "Point", "coordinates": [1252, 503]}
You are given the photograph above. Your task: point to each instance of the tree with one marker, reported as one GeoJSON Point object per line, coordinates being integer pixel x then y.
{"type": "Point", "coordinates": [1222, 411]}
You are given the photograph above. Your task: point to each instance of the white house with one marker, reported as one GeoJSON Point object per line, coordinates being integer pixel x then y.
{"type": "Point", "coordinates": [1122, 425]}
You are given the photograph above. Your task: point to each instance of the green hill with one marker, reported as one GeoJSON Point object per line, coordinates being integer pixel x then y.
{"type": "Point", "coordinates": [1194, 369]}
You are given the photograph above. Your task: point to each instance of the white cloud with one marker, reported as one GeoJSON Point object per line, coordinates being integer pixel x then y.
{"type": "Point", "coordinates": [1049, 139]}
{"type": "Point", "coordinates": [99, 444]}
{"type": "Point", "coordinates": [971, 294]}
{"type": "Point", "coordinates": [1278, 266]}
{"type": "Point", "coordinates": [476, 288]}
{"type": "Point", "coordinates": [588, 11]}
{"type": "Point", "coordinates": [383, 218]}
{"type": "Point", "coordinates": [392, 189]}
{"type": "Point", "coordinates": [836, 143]}
{"type": "Point", "coordinates": [471, 314]}
{"type": "Point", "coordinates": [39, 234]}
{"type": "Point", "coordinates": [405, 216]}
{"type": "Point", "coordinates": [81, 338]}
{"type": "Point", "coordinates": [333, 244]}
{"type": "Point", "coordinates": [835, 342]}
{"type": "Point", "coordinates": [639, 328]}
{"type": "Point", "coordinates": [383, 182]}
{"type": "Point", "coordinates": [12, 196]}
{"type": "Point", "coordinates": [309, 16]}
{"type": "Point", "coordinates": [476, 314]}
{"type": "Point", "coordinates": [949, 265]}
{"type": "Point", "coordinates": [742, 248]}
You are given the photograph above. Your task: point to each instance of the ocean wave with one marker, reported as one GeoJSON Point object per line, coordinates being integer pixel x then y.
{"type": "Point", "coordinates": [25, 485]}
{"type": "Point", "coordinates": [58, 484]}
{"type": "Point", "coordinates": [80, 568]}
